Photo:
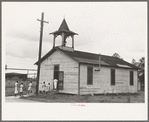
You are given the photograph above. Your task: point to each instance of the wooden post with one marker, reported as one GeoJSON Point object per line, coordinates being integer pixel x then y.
{"type": "Point", "coordinates": [40, 49]}
{"type": "Point", "coordinates": [73, 41]}
{"type": "Point", "coordinates": [63, 36]}
{"type": "Point", "coordinates": [79, 79]}
{"type": "Point", "coordinates": [54, 36]}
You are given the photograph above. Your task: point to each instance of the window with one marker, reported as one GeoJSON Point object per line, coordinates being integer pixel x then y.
{"type": "Point", "coordinates": [56, 67]}
{"type": "Point", "coordinates": [112, 76]}
{"type": "Point", "coordinates": [131, 77]}
{"type": "Point", "coordinates": [89, 75]}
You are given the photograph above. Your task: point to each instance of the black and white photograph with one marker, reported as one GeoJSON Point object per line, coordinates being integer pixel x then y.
{"type": "Point", "coordinates": [74, 56]}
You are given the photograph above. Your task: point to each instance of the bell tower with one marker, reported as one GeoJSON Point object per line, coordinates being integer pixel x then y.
{"type": "Point", "coordinates": [65, 33]}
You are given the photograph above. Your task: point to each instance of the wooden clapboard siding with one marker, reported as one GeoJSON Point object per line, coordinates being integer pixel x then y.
{"type": "Point", "coordinates": [66, 64]}
{"type": "Point", "coordinates": [102, 81]}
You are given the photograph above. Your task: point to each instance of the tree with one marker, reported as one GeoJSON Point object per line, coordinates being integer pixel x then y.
{"type": "Point", "coordinates": [116, 55]}
{"type": "Point", "coordinates": [133, 61]}
{"type": "Point", "coordinates": [141, 71]}
{"type": "Point", "coordinates": [140, 64]}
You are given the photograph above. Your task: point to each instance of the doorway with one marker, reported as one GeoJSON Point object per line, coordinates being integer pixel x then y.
{"type": "Point", "coordinates": [61, 80]}
{"type": "Point", "coordinates": [59, 75]}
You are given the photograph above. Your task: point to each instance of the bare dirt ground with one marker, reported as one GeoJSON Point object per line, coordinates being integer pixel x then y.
{"type": "Point", "coordinates": [13, 99]}
{"type": "Point", "coordinates": [67, 98]}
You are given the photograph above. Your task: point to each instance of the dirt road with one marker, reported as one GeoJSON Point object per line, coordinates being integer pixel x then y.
{"type": "Point", "coordinates": [13, 99]}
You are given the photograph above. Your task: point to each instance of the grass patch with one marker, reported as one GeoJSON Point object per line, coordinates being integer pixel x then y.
{"type": "Point", "coordinates": [68, 98]}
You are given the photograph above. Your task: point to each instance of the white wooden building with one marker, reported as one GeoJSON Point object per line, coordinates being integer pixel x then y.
{"type": "Point", "coordinates": [85, 73]}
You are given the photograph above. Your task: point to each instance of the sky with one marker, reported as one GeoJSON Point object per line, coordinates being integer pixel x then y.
{"type": "Point", "coordinates": [102, 27]}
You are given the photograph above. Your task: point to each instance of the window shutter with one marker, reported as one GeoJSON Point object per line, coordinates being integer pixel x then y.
{"type": "Point", "coordinates": [89, 75]}
{"type": "Point", "coordinates": [131, 77]}
{"type": "Point", "coordinates": [112, 76]}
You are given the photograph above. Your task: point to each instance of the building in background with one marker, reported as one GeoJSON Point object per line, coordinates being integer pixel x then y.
{"type": "Point", "coordinates": [16, 76]}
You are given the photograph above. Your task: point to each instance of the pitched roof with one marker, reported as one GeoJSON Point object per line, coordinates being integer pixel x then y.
{"type": "Point", "coordinates": [91, 58]}
{"type": "Point", "coordinates": [64, 28]}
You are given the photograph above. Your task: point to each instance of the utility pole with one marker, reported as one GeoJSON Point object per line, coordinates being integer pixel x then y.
{"type": "Point", "coordinates": [40, 49]}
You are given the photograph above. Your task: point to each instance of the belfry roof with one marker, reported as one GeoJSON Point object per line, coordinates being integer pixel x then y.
{"type": "Point", "coordinates": [64, 28]}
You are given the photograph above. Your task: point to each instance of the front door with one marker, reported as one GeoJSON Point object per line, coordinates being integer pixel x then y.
{"type": "Point", "coordinates": [61, 80]}
{"type": "Point", "coordinates": [56, 73]}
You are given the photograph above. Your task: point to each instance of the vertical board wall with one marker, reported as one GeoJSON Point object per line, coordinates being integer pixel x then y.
{"type": "Point", "coordinates": [102, 81]}
{"type": "Point", "coordinates": [66, 64]}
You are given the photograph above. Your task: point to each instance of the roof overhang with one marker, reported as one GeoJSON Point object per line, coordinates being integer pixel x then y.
{"type": "Point", "coordinates": [59, 32]}
{"type": "Point", "coordinates": [51, 52]}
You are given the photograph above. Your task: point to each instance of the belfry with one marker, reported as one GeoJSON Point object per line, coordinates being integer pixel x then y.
{"type": "Point", "coordinates": [65, 33]}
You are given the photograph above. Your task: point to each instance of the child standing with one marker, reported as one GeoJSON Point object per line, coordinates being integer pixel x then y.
{"type": "Point", "coordinates": [21, 89]}
{"type": "Point", "coordinates": [48, 88]}
{"type": "Point", "coordinates": [30, 88]}
{"type": "Point", "coordinates": [16, 88]}
{"type": "Point", "coordinates": [44, 87]}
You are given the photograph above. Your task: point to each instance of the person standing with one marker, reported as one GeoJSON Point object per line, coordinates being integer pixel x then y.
{"type": "Point", "coordinates": [16, 88]}
{"type": "Point", "coordinates": [55, 84]}
{"type": "Point", "coordinates": [48, 88]}
{"type": "Point", "coordinates": [30, 88]}
{"type": "Point", "coordinates": [21, 89]}
{"type": "Point", "coordinates": [44, 88]}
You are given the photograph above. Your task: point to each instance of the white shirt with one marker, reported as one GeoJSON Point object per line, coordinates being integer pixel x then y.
{"type": "Point", "coordinates": [44, 87]}
{"type": "Point", "coordinates": [21, 88]}
{"type": "Point", "coordinates": [55, 80]}
{"type": "Point", "coordinates": [16, 84]}
{"type": "Point", "coordinates": [16, 88]}
{"type": "Point", "coordinates": [30, 85]}
{"type": "Point", "coordinates": [48, 87]}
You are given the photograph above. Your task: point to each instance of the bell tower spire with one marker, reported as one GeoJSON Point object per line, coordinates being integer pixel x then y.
{"type": "Point", "coordinates": [65, 33]}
